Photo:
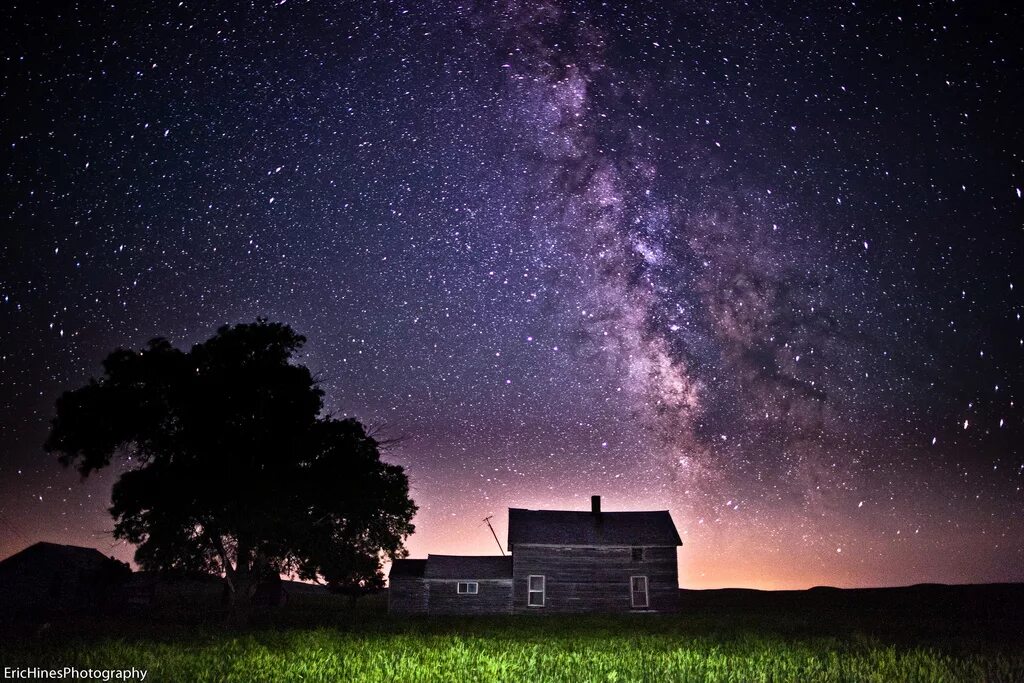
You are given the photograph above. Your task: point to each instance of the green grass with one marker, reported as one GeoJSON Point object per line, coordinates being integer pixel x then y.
{"type": "Point", "coordinates": [366, 645]}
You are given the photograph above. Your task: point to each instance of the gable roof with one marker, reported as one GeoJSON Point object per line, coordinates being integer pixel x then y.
{"type": "Point", "coordinates": [55, 554]}
{"type": "Point", "coordinates": [468, 567]}
{"type": "Point", "coordinates": [564, 527]}
{"type": "Point", "coordinates": [413, 568]}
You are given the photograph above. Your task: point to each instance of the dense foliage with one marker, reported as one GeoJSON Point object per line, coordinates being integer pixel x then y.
{"type": "Point", "coordinates": [230, 465]}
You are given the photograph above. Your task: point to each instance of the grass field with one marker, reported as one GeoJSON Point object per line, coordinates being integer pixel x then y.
{"type": "Point", "coordinates": [716, 640]}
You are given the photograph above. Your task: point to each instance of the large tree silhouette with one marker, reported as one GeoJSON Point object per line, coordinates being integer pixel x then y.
{"type": "Point", "coordinates": [231, 466]}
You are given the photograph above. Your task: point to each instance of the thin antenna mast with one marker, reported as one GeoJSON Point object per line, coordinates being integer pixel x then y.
{"type": "Point", "coordinates": [487, 521]}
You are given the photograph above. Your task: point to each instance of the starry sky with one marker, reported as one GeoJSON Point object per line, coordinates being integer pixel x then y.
{"type": "Point", "coordinates": [754, 263]}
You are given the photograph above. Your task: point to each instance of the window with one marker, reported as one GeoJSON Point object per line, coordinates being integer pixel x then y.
{"type": "Point", "coordinates": [535, 591]}
{"type": "Point", "coordinates": [638, 554]}
{"type": "Point", "coordinates": [468, 587]}
{"type": "Point", "coordinates": [638, 589]}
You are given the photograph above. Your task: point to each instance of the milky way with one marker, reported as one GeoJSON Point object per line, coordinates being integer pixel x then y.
{"type": "Point", "coordinates": [752, 264]}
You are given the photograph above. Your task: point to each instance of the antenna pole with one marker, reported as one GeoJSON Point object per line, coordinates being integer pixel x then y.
{"type": "Point", "coordinates": [487, 521]}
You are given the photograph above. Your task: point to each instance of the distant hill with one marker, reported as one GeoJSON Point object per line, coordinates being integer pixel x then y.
{"type": "Point", "coordinates": [981, 607]}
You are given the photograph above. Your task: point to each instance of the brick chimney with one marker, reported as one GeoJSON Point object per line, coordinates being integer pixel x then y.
{"type": "Point", "coordinates": [595, 504]}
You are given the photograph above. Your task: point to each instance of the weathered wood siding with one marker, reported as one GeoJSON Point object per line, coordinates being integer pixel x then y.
{"type": "Point", "coordinates": [494, 596]}
{"type": "Point", "coordinates": [594, 579]}
{"type": "Point", "coordinates": [408, 595]}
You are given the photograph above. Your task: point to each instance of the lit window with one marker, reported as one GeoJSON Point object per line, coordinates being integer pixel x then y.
{"type": "Point", "coordinates": [468, 587]}
{"type": "Point", "coordinates": [535, 597]}
{"type": "Point", "coordinates": [638, 588]}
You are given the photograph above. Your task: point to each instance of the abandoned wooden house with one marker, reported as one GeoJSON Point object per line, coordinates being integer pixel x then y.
{"type": "Point", "coordinates": [561, 561]}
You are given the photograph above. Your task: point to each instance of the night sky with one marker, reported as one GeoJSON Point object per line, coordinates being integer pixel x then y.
{"type": "Point", "coordinates": [755, 264]}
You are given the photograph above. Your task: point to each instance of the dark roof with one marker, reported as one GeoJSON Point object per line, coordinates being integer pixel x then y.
{"type": "Point", "coordinates": [408, 568]}
{"type": "Point", "coordinates": [468, 567]}
{"type": "Point", "coordinates": [55, 553]}
{"type": "Point", "coordinates": [562, 527]}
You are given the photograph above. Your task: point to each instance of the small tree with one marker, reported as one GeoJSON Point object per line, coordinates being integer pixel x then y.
{"type": "Point", "coordinates": [232, 468]}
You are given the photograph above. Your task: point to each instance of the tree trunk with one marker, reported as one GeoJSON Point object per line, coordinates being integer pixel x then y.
{"type": "Point", "coordinates": [240, 592]}
{"type": "Point", "coordinates": [239, 580]}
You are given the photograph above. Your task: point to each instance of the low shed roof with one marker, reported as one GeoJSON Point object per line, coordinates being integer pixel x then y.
{"type": "Point", "coordinates": [468, 567]}
{"type": "Point", "coordinates": [564, 527]}
{"type": "Point", "coordinates": [412, 568]}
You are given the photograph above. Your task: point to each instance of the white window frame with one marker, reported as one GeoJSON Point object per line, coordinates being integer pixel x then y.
{"type": "Point", "coordinates": [530, 590]}
{"type": "Point", "coordinates": [632, 593]}
{"type": "Point", "coordinates": [472, 587]}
